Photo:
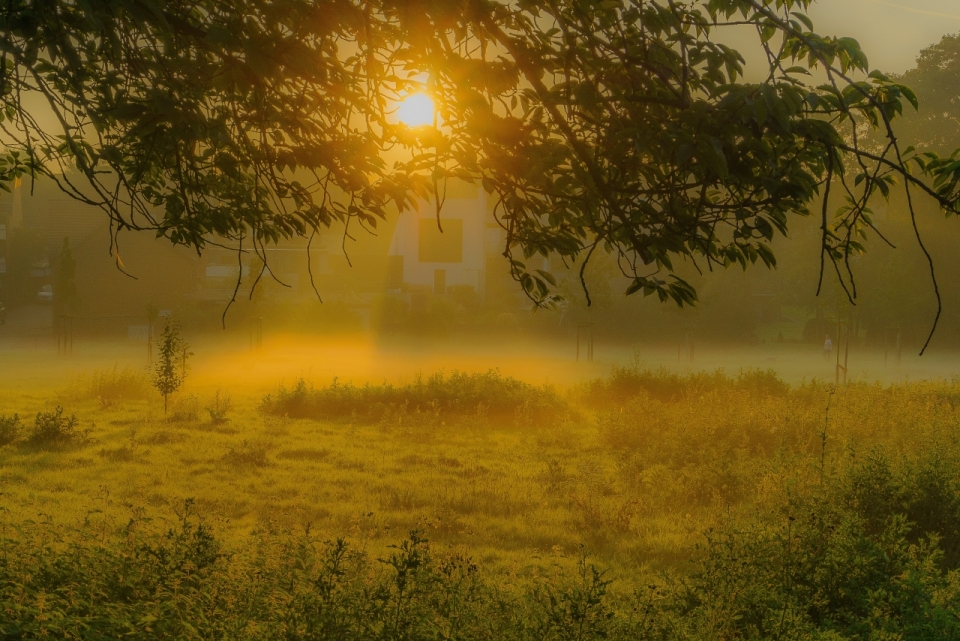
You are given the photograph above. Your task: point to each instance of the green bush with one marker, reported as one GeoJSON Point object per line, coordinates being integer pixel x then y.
{"type": "Point", "coordinates": [9, 429]}
{"type": "Point", "coordinates": [53, 430]}
{"type": "Point", "coordinates": [625, 383]}
{"type": "Point", "coordinates": [501, 399]}
{"type": "Point", "coordinates": [816, 574]}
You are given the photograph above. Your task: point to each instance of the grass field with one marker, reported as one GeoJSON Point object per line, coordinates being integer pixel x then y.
{"type": "Point", "coordinates": [638, 504]}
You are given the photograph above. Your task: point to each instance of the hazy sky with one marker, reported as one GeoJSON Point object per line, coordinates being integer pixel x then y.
{"type": "Point", "coordinates": [891, 32]}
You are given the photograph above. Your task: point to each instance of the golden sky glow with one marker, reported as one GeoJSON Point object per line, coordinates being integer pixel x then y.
{"type": "Point", "coordinates": [892, 32]}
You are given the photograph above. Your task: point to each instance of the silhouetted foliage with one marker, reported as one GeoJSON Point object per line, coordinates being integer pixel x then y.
{"type": "Point", "coordinates": [623, 127]}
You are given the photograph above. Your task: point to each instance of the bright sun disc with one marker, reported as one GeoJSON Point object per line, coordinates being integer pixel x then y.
{"type": "Point", "coordinates": [416, 110]}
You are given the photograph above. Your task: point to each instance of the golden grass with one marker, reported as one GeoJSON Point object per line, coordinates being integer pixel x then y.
{"type": "Point", "coordinates": [636, 478]}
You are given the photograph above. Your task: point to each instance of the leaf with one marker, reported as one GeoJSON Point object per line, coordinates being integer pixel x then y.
{"type": "Point", "coordinates": [910, 96]}
{"type": "Point", "coordinates": [804, 19]}
{"type": "Point", "coordinates": [547, 276]}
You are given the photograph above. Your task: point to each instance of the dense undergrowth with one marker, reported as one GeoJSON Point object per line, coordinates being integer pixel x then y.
{"type": "Point", "coordinates": [825, 567]}
{"type": "Point", "coordinates": [815, 513]}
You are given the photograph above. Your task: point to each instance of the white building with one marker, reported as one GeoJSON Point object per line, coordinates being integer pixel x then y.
{"type": "Point", "coordinates": [424, 258]}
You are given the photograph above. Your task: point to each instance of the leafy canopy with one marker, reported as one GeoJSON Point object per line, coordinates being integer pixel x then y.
{"type": "Point", "coordinates": [622, 126]}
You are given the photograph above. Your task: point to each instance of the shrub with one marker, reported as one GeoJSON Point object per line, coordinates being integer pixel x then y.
{"type": "Point", "coordinates": [9, 429]}
{"type": "Point", "coordinates": [816, 574]}
{"type": "Point", "coordinates": [53, 429]}
{"type": "Point", "coordinates": [219, 407]}
{"type": "Point", "coordinates": [625, 383]}
{"type": "Point", "coordinates": [438, 398]}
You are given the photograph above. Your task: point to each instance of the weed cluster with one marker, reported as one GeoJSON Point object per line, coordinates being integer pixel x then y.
{"type": "Point", "coordinates": [110, 387]}
{"type": "Point", "coordinates": [51, 430]}
{"type": "Point", "coordinates": [9, 429]}
{"type": "Point", "coordinates": [246, 455]}
{"type": "Point", "coordinates": [185, 409]}
{"type": "Point", "coordinates": [54, 430]}
{"type": "Point", "coordinates": [113, 385]}
{"type": "Point", "coordinates": [438, 398]}
{"type": "Point", "coordinates": [219, 407]}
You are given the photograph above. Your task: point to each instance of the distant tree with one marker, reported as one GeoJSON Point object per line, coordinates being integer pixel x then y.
{"type": "Point", "coordinates": [65, 295]}
{"type": "Point", "coordinates": [936, 79]}
{"type": "Point", "coordinates": [170, 368]}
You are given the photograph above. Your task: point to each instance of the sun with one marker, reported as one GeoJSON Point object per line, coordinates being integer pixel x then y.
{"type": "Point", "coordinates": [416, 110]}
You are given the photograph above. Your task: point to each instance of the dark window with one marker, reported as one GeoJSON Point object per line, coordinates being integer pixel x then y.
{"type": "Point", "coordinates": [437, 247]}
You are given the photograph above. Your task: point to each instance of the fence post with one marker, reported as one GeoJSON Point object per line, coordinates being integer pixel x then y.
{"type": "Point", "coordinates": [839, 334]}
{"type": "Point", "coordinates": [846, 355]}
{"type": "Point", "coordinates": [899, 346]}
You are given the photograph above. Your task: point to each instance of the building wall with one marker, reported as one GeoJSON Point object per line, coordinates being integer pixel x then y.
{"type": "Point", "coordinates": [437, 266]}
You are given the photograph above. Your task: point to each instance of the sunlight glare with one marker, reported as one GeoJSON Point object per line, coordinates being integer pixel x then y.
{"type": "Point", "coordinates": [416, 110]}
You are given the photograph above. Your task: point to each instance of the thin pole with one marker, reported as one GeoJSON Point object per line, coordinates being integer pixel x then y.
{"type": "Point", "coordinates": [846, 356]}
{"type": "Point", "coordinates": [837, 373]}
{"type": "Point", "coordinates": [899, 346]}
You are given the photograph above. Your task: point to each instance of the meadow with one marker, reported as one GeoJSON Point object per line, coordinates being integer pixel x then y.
{"type": "Point", "coordinates": [642, 504]}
